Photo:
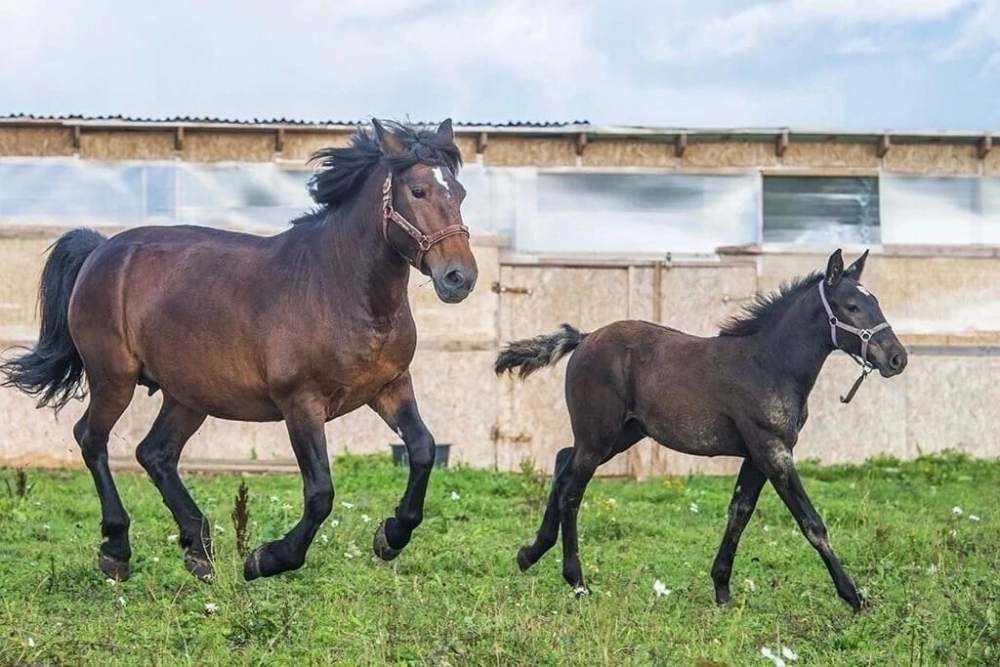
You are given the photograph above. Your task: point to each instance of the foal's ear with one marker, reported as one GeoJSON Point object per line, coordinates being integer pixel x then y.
{"type": "Point", "coordinates": [855, 270]}
{"type": "Point", "coordinates": [390, 143]}
{"type": "Point", "coordinates": [446, 132]}
{"type": "Point", "coordinates": [834, 268]}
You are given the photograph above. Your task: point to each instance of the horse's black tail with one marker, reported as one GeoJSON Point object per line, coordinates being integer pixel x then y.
{"type": "Point", "coordinates": [530, 354]}
{"type": "Point", "coordinates": [53, 370]}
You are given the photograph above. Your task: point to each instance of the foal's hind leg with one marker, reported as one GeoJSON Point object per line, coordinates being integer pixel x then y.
{"type": "Point", "coordinates": [548, 532]}
{"type": "Point", "coordinates": [108, 400]}
{"type": "Point", "coordinates": [159, 453]}
{"type": "Point", "coordinates": [748, 487]}
{"type": "Point", "coordinates": [396, 405]}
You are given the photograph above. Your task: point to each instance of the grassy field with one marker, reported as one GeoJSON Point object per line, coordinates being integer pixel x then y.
{"type": "Point", "coordinates": [922, 539]}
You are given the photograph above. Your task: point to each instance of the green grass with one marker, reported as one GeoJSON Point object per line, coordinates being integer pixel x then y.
{"type": "Point", "coordinates": [455, 597]}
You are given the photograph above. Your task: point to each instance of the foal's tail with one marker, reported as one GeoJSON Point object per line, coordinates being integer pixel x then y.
{"type": "Point", "coordinates": [53, 370]}
{"type": "Point", "coordinates": [530, 354]}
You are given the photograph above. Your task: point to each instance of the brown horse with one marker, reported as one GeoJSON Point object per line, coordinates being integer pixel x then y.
{"type": "Point", "coordinates": [303, 326]}
{"type": "Point", "coordinates": [742, 393]}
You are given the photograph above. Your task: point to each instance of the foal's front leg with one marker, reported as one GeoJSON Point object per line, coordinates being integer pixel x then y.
{"type": "Point", "coordinates": [775, 460]}
{"type": "Point", "coordinates": [305, 428]}
{"type": "Point", "coordinates": [396, 405]}
{"type": "Point", "coordinates": [748, 487]}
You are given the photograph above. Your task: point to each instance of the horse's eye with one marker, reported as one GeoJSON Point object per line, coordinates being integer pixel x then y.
{"type": "Point", "coordinates": [851, 308]}
{"type": "Point", "coordinates": [418, 193]}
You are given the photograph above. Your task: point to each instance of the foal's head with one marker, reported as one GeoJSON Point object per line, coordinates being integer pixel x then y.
{"type": "Point", "coordinates": [851, 304]}
{"type": "Point", "coordinates": [427, 194]}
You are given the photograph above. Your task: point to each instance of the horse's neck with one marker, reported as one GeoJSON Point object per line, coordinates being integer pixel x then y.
{"type": "Point", "coordinates": [357, 263]}
{"type": "Point", "coordinates": [799, 343]}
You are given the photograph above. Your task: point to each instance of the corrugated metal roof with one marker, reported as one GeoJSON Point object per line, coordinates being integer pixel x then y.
{"type": "Point", "coordinates": [173, 120]}
{"type": "Point", "coordinates": [560, 128]}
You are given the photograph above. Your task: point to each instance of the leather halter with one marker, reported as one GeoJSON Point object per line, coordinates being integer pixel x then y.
{"type": "Point", "coordinates": [864, 334]}
{"type": "Point", "coordinates": [424, 241]}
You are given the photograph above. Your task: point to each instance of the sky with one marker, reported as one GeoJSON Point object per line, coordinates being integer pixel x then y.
{"type": "Point", "coordinates": [822, 64]}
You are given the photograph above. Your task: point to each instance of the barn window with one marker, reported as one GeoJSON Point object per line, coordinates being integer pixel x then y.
{"type": "Point", "coordinates": [637, 213]}
{"type": "Point", "coordinates": [822, 210]}
{"type": "Point", "coordinates": [941, 210]}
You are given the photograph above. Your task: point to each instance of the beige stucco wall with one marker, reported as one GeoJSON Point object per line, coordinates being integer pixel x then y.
{"type": "Point", "coordinates": [946, 308]}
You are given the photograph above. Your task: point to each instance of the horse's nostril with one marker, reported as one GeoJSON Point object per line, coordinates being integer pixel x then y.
{"type": "Point", "coordinates": [454, 278]}
{"type": "Point", "coordinates": [896, 362]}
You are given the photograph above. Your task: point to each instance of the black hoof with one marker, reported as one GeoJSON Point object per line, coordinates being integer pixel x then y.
{"type": "Point", "coordinates": [380, 545]}
{"type": "Point", "coordinates": [200, 567]}
{"type": "Point", "coordinates": [722, 597]}
{"type": "Point", "coordinates": [524, 561]}
{"type": "Point", "coordinates": [119, 570]}
{"type": "Point", "coordinates": [251, 566]}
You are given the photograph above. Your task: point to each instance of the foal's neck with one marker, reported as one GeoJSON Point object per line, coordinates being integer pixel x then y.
{"type": "Point", "coordinates": [799, 342]}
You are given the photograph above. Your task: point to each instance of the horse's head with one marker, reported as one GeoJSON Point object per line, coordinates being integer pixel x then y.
{"type": "Point", "coordinates": [422, 214]}
{"type": "Point", "coordinates": [857, 325]}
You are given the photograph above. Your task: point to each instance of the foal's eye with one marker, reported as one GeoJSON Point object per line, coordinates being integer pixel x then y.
{"type": "Point", "coordinates": [851, 308]}
{"type": "Point", "coordinates": [418, 193]}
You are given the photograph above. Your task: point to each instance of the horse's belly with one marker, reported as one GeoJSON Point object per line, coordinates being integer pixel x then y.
{"type": "Point", "coordinates": [699, 435]}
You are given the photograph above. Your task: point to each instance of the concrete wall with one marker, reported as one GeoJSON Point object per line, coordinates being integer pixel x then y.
{"type": "Point", "coordinates": [945, 305]}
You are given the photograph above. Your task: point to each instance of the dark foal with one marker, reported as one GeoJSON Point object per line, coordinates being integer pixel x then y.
{"type": "Point", "coordinates": [742, 393]}
{"type": "Point", "coordinates": [303, 326]}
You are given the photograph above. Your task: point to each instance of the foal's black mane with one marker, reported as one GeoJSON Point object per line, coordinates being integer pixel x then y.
{"type": "Point", "coordinates": [764, 310]}
{"type": "Point", "coordinates": [344, 170]}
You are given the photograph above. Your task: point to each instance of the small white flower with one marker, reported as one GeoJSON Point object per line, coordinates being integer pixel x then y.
{"type": "Point", "coordinates": [660, 589]}
{"type": "Point", "coordinates": [172, 539]}
{"type": "Point", "coordinates": [953, 533]}
{"type": "Point", "coordinates": [286, 506]}
{"type": "Point", "coordinates": [348, 555]}
{"type": "Point", "coordinates": [323, 538]}
{"type": "Point", "coordinates": [348, 506]}
{"type": "Point", "coordinates": [693, 507]}
{"type": "Point", "coordinates": [365, 518]}
{"type": "Point", "coordinates": [274, 499]}
{"type": "Point", "coordinates": [121, 601]}
{"type": "Point", "coordinates": [455, 496]}
{"type": "Point", "coordinates": [156, 559]}
{"type": "Point", "coordinates": [973, 517]}
{"type": "Point", "coordinates": [750, 585]}
{"type": "Point", "coordinates": [31, 643]}
{"type": "Point", "coordinates": [956, 510]}
{"type": "Point", "coordinates": [769, 654]}
{"type": "Point", "coordinates": [334, 523]}
{"type": "Point", "coordinates": [789, 654]}
{"type": "Point", "coordinates": [211, 607]}
{"type": "Point", "coordinates": [612, 501]}
{"type": "Point", "coordinates": [112, 582]}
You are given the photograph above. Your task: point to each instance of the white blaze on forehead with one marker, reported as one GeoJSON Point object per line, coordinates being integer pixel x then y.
{"type": "Point", "coordinates": [439, 176]}
{"type": "Point", "coordinates": [861, 288]}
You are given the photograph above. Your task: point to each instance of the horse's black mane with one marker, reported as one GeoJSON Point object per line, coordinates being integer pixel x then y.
{"type": "Point", "coordinates": [764, 310]}
{"type": "Point", "coordinates": [344, 170]}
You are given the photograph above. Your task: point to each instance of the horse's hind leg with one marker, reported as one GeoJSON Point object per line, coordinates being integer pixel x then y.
{"type": "Point", "coordinates": [109, 398]}
{"type": "Point", "coordinates": [748, 487]}
{"type": "Point", "coordinates": [159, 453]}
{"type": "Point", "coordinates": [548, 532]}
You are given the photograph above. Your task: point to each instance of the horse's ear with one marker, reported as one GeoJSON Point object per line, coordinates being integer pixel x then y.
{"type": "Point", "coordinates": [834, 268]}
{"type": "Point", "coordinates": [855, 270]}
{"type": "Point", "coordinates": [390, 143]}
{"type": "Point", "coordinates": [446, 132]}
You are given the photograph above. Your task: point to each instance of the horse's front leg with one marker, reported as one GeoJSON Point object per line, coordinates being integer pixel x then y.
{"type": "Point", "coordinates": [396, 405]}
{"type": "Point", "coordinates": [305, 428]}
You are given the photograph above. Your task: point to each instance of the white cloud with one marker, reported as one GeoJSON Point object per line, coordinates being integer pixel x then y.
{"type": "Point", "coordinates": [740, 31]}
{"type": "Point", "coordinates": [980, 32]}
